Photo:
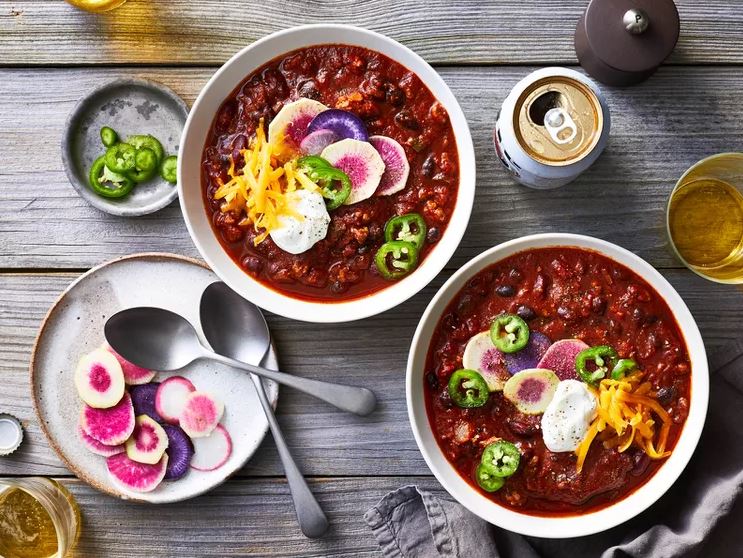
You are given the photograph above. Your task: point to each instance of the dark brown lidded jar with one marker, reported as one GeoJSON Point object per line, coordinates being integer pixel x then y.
{"type": "Point", "coordinates": [622, 42]}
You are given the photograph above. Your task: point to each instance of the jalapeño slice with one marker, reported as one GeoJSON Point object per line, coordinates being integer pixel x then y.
{"type": "Point", "coordinates": [396, 259]}
{"type": "Point", "coordinates": [487, 480]}
{"type": "Point", "coordinates": [409, 227]}
{"type": "Point", "coordinates": [593, 364]}
{"type": "Point", "coordinates": [509, 333]}
{"type": "Point", "coordinates": [468, 389]}
{"type": "Point", "coordinates": [501, 458]}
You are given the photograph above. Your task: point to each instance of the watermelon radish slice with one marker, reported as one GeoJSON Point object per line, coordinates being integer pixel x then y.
{"type": "Point", "coordinates": [180, 452]}
{"type": "Point", "coordinates": [292, 121]}
{"type": "Point", "coordinates": [531, 390]}
{"type": "Point", "coordinates": [344, 124]}
{"type": "Point", "coordinates": [213, 451]}
{"type": "Point", "coordinates": [135, 476]}
{"type": "Point", "coordinates": [133, 375]}
{"type": "Point", "coordinates": [480, 354]}
{"type": "Point", "coordinates": [314, 143]}
{"type": "Point", "coordinates": [201, 414]}
{"type": "Point", "coordinates": [361, 162]}
{"type": "Point", "coordinates": [99, 379]}
{"type": "Point", "coordinates": [96, 447]}
{"type": "Point", "coordinates": [109, 426]}
{"type": "Point", "coordinates": [148, 442]}
{"type": "Point", "coordinates": [529, 356]}
{"type": "Point", "coordinates": [396, 165]}
{"type": "Point", "coordinates": [143, 399]}
{"type": "Point", "coordinates": [171, 396]}
{"type": "Point", "coordinates": [560, 358]}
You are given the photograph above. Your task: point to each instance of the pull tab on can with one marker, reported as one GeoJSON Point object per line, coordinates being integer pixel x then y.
{"type": "Point", "coordinates": [560, 126]}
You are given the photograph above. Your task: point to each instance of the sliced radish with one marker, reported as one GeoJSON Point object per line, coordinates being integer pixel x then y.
{"type": "Point", "coordinates": [133, 375]}
{"type": "Point", "coordinates": [171, 397]}
{"type": "Point", "coordinates": [96, 447]}
{"type": "Point", "coordinates": [344, 124]}
{"type": "Point", "coordinates": [314, 143]}
{"type": "Point", "coordinates": [213, 451]}
{"type": "Point", "coordinates": [529, 356]}
{"type": "Point", "coordinates": [480, 354]}
{"type": "Point", "coordinates": [143, 399]}
{"type": "Point", "coordinates": [99, 379]}
{"type": "Point", "coordinates": [201, 414]}
{"type": "Point", "coordinates": [148, 441]}
{"type": "Point", "coordinates": [560, 358]}
{"type": "Point", "coordinates": [291, 122]}
{"type": "Point", "coordinates": [135, 476]}
{"type": "Point", "coordinates": [109, 426]}
{"type": "Point", "coordinates": [361, 162]}
{"type": "Point", "coordinates": [396, 165]}
{"type": "Point", "coordinates": [180, 452]}
{"type": "Point", "coordinates": [531, 390]}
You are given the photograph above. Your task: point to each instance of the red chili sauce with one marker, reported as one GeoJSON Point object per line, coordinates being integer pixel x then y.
{"type": "Point", "coordinates": [565, 293]}
{"type": "Point", "coordinates": [393, 102]}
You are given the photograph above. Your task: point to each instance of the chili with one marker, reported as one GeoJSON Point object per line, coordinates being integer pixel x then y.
{"type": "Point", "coordinates": [468, 389]}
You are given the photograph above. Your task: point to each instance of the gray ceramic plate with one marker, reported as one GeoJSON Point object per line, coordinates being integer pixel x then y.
{"type": "Point", "coordinates": [129, 106]}
{"type": "Point", "coordinates": [74, 326]}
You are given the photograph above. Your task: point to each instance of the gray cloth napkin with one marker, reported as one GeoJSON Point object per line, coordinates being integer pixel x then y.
{"type": "Point", "coordinates": [701, 515]}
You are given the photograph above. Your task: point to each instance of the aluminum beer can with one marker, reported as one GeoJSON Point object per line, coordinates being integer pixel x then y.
{"type": "Point", "coordinates": [552, 126]}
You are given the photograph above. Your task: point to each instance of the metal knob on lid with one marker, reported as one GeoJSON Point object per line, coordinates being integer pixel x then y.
{"type": "Point", "coordinates": [622, 42]}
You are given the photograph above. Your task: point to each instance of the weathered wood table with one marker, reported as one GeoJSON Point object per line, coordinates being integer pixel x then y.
{"type": "Point", "coordinates": [52, 54]}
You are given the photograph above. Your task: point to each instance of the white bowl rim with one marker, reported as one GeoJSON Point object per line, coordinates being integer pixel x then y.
{"type": "Point", "coordinates": [394, 294]}
{"type": "Point", "coordinates": [558, 526]}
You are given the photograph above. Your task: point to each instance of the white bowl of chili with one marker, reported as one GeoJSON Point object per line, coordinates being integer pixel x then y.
{"type": "Point", "coordinates": [441, 185]}
{"type": "Point", "coordinates": [553, 268]}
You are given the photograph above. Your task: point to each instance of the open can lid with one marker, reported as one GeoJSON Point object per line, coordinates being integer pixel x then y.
{"type": "Point", "coordinates": [11, 434]}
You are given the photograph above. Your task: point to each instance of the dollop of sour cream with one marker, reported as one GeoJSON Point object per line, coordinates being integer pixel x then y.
{"type": "Point", "coordinates": [568, 416]}
{"type": "Point", "coordinates": [299, 235]}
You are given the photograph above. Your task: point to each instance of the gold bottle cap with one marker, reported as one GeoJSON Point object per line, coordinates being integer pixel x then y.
{"type": "Point", "coordinates": [11, 434]}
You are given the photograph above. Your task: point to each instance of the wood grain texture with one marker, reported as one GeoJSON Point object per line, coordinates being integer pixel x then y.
{"type": "Point", "coordinates": [659, 129]}
{"type": "Point", "coordinates": [324, 441]}
{"type": "Point", "coordinates": [43, 32]}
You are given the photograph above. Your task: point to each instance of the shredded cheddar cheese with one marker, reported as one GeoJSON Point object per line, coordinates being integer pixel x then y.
{"type": "Point", "coordinates": [626, 414]}
{"type": "Point", "coordinates": [260, 189]}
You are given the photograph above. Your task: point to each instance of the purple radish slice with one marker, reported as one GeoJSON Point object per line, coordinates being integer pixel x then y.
{"type": "Point", "coordinates": [148, 442]}
{"type": "Point", "coordinates": [201, 414]}
{"type": "Point", "coordinates": [480, 354]}
{"type": "Point", "coordinates": [314, 143]}
{"type": "Point", "coordinates": [396, 165]}
{"type": "Point", "coordinates": [99, 379]}
{"type": "Point", "coordinates": [213, 451]}
{"type": "Point", "coordinates": [560, 358]}
{"type": "Point", "coordinates": [109, 426]}
{"type": "Point", "coordinates": [291, 122]}
{"type": "Point", "coordinates": [531, 390]}
{"type": "Point", "coordinates": [143, 399]}
{"type": "Point", "coordinates": [346, 125]}
{"type": "Point", "coordinates": [180, 452]}
{"type": "Point", "coordinates": [96, 447]}
{"type": "Point", "coordinates": [133, 375]}
{"type": "Point", "coordinates": [361, 162]}
{"type": "Point", "coordinates": [171, 397]}
{"type": "Point", "coordinates": [529, 356]}
{"type": "Point", "coordinates": [137, 477]}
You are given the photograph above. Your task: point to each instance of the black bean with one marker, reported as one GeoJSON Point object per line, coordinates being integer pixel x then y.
{"type": "Point", "coordinates": [505, 290]}
{"type": "Point", "coordinates": [394, 96]}
{"type": "Point", "coordinates": [666, 394]}
{"type": "Point", "coordinates": [339, 287]}
{"type": "Point", "coordinates": [598, 305]}
{"type": "Point", "coordinates": [429, 165]}
{"type": "Point", "coordinates": [638, 315]}
{"type": "Point", "coordinates": [251, 263]}
{"type": "Point", "coordinates": [525, 312]}
{"type": "Point", "coordinates": [516, 275]}
{"type": "Point", "coordinates": [405, 119]}
{"type": "Point", "coordinates": [432, 236]}
{"type": "Point", "coordinates": [432, 380]}
{"type": "Point", "coordinates": [309, 90]}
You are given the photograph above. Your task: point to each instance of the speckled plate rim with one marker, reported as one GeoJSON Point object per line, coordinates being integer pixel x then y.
{"type": "Point", "coordinates": [33, 380]}
{"type": "Point", "coordinates": [66, 145]}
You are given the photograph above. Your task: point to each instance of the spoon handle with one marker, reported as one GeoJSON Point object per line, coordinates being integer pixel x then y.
{"type": "Point", "coordinates": [311, 518]}
{"type": "Point", "coordinates": [358, 400]}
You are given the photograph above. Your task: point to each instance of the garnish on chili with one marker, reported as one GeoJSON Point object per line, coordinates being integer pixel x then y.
{"type": "Point", "coordinates": [593, 364]}
{"type": "Point", "coordinates": [109, 137]}
{"type": "Point", "coordinates": [623, 367]}
{"type": "Point", "coordinates": [509, 333]}
{"type": "Point", "coordinates": [468, 389]}
{"type": "Point", "coordinates": [396, 259]}
{"type": "Point", "coordinates": [487, 480]}
{"type": "Point", "coordinates": [335, 185]}
{"type": "Point", "coordinates": [409, 227]}
{"type": "Point", "coordinates": [100, 175]}
{"type": "Point", "coordinates": [501, 458]}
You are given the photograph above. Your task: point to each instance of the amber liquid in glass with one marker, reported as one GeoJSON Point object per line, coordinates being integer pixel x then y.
{"type": "Point", "coordinates": [96, 5]}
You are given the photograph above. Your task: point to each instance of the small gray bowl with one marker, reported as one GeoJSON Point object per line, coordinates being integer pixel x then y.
{"type": "Point", "coordinates": [129, 106]}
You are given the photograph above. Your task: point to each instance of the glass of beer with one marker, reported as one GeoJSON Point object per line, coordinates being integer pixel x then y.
{"type": "Point", "coordinates": [705, 218]}
{"type": "Point", "coordinates": [96, 5]}
{"type": "Point", "coordinates": [39, 518]}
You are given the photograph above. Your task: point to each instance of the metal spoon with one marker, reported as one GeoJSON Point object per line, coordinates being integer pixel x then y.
{"type": "Point", "coordinates": [159, 339]}
{"type": "Point", "coordinates": [236, 328]}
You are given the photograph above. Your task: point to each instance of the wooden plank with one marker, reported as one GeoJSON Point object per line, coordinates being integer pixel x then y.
{"type": "Point", "coordinates": [325, 441]}
{"type": "Point", "coordinates": [659, 129]}
{"type": "Point", "coordinates": [444, 32]}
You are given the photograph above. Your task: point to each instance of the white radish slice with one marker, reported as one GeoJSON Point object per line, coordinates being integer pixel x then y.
{"type": "Point", "coordinates": [531, 390]}
{"type": "Point", "coordinates": [290, 124]}
{"type": "Point", "coordinates": [201, 414]}
{"type": "Point", "coordinates": [96, 447]}
{"type": "Point", "coordinates": [313, 143]}
{"type": "Point", "coordinates": [361, 162]}
{"type": "Point", "coordinates": [148, 442]}
{"type": "Point", "coordinates": [99, 379]}
{"type": "Point", "coordinates": [133, 375]}
{"type": "Point", "coordinates": [396, 165]}
{"type": "Point", "coordinates": [213, 451]}
{"type": "Point", "coordinates": [481, 355]}
{"type": "Point", "coordinates": [137, 477]}
{"type": "Point", "coordinates": [171, 397]}
{"type": "Point", "coordinates": [109, 426]}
